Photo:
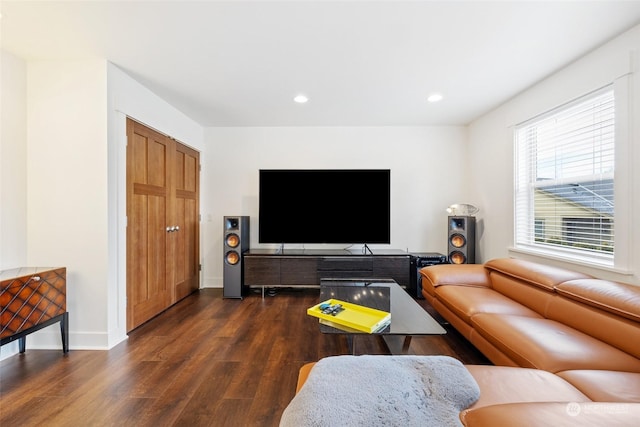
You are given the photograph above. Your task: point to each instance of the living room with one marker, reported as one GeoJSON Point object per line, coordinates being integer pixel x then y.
{"type": "Point", "coordinates": [63, 156]}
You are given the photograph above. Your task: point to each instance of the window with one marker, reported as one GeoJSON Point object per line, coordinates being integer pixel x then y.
{"type": "Point", "coordinates": [539, 229]}
{"type": "Point", "coordinates": [589, 232]}
{"type": "Point", "coordinates": [564, 201]}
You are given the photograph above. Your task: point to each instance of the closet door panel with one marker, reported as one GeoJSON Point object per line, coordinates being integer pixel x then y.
{"type": "Point", "coordinates": [148, 201]}
{"type": "Point", "coordinates": [187, 249]}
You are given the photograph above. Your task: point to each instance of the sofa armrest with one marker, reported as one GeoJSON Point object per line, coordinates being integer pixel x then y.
{"type": "Point", "coordinates": [454, 274]}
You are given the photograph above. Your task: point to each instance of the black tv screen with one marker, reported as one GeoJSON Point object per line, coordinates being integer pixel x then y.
{"type": "Point", "coordinates": [351, 206]}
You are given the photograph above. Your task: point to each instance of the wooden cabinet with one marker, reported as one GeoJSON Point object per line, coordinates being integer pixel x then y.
{"type": "Point", "coordinates": [267, 268]}
{"type": "Point", "coordinates": [32, 298]}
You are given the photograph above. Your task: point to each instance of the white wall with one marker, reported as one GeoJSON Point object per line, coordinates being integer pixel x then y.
{"type": "Point", "coordinates": [77, 185]}
{"type": "Point", "coordinates": [427, 165]}
{"type": "Point", "coordinates": [62, 187]}
{"type": "Point", "coordinates": [67, 190]}
{"type": "Point", "coordinates": [13, 168]}
{"type": "Point", "coordinates": [128, 98]}
{"type": "Point", "coordinates": [491, 151]}
{"type": "Point", "coordinates": [13, 162]}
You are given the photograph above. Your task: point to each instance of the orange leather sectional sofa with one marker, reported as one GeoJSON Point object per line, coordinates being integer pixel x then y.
{"type": "Point", "coordinates": [568, 345]}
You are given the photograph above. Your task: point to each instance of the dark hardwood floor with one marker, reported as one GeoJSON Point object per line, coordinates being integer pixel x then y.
{"type": "Point", "coordinates": [207, 361]}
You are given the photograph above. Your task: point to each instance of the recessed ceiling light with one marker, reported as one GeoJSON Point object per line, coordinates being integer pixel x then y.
{"type": "Point", "coordinates": [435, 97]}
{"type": "Point", "coordinates": [301, 99]}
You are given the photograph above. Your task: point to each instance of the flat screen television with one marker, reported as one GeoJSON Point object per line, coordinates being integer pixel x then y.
{"type": "Point", "coordinates": [346, 206]}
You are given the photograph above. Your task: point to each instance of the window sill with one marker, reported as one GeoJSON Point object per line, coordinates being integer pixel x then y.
{"type": "Point", "coordinates": [596, 264]}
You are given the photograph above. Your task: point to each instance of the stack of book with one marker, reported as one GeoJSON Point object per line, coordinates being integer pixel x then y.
{"type": "Point", "coordinates": [350, 317]}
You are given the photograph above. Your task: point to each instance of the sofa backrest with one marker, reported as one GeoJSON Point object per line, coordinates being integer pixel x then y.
{"type": "Point", "coordinates": [539, 275]}
{"type": "Point", "coordinates": [608, 311]}
{"type": "Point", "coordinates": [530, 296]}
{"type": "Point", "coordinates": [529, 283]}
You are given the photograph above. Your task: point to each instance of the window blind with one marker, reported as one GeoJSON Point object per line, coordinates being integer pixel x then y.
{"type": "Point", "coordinates": [564, 201]}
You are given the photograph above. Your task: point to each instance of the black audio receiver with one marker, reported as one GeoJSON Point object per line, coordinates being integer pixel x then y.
{"type": "Point", "coordinates": [421, 260]}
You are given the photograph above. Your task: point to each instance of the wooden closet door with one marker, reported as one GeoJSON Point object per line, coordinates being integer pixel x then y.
{"type": "Point", "coordinates": [186, 242]}
{"type": "Point", "coordinates": [163, 222]}
{"type": "Point", "coordinates": [149, 169]}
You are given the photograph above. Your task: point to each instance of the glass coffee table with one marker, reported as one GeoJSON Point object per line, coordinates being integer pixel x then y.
{"type": "Point", "coordinates": [408, 318]}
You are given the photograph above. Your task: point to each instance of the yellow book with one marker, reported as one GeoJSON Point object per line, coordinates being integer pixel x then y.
{"type": "Point", "coordinates": [349, 315]}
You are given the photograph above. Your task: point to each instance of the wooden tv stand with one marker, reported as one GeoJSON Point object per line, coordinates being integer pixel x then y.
{"type": "Point", "coordinates": [307, 267]}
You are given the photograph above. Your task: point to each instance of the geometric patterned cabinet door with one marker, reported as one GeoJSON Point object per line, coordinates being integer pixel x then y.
{"type": "Point", "coordinates": [32, 298]}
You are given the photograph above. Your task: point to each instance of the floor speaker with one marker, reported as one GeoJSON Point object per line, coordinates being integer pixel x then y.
{"type": "Point", "coordinates": [236, 242]}
{"type": "Point", "coordinates": [462, 240]}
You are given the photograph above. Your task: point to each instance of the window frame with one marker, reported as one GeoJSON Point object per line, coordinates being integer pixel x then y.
{"type": "Point", "coordinates": [620, 260]}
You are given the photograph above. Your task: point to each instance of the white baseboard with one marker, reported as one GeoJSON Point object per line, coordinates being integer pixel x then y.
{"type": "Point", "coordinates": [212, 282]}
{"type": "Point", "coordinates": [51, 340]}
{"type": "Point", "coordinates": [9, 350]}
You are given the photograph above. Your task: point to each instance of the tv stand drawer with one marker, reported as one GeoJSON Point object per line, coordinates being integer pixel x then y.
{"type": "Point", "coordinates": [346, 274]}
{"type": "Point", "coordinates": [298, 271]}
{"type": "Point", "coordinates": [346, 263]}
{"type": "Point", "coordinates": [261, 271]}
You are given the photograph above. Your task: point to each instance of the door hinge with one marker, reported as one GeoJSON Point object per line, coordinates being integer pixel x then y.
{"type": "Point", "coordinates": [199, 267]}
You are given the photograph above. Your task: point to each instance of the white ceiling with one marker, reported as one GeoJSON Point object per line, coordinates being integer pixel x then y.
{"type": "Point", "coordinates": [362, 63]}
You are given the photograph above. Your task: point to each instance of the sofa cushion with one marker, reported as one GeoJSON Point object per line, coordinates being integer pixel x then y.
{"type": "Point", "coordinates": [545, 414]}
{"type": "Point", "coordinates": [617, 298]}
{"type": "Point", "coordinates": [506, 384]}
{"type": "Point", "coordinates": [534, 297]}
{"type": "Point", "coordinates": [541, 275]}
{"type": "Point", "coordinates": [460, 325]}
{"type": "Point", "coordinates": [606, 386]}
{"type": "Point", "coordinates": [617, 331]}
{"type": "Point", "coordinates": [465, 302]}
{"type": "Point", "coordinates": [550, 345]}
{"type": "Point", "coordinates": [494, 354]}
